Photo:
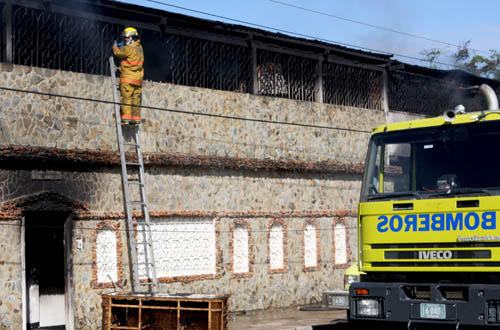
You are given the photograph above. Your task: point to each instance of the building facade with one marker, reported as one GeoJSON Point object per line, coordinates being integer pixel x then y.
{"type": "Point", "coordinates": [254, 147]}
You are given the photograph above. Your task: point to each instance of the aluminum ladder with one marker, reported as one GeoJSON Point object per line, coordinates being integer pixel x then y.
{"type": "Point", "coordinates": [133, 177]}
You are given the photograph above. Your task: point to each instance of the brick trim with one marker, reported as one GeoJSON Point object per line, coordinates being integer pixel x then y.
{"type": "Point", "coordinates": [318, 245]}
{"type": "Point", "coordinates": [56, 158]}
{"type": "Point", "coordinates": [251, 255]}
{"type": "Point", "coordinates": [285, 246]}
{"type": "Point", "coordinates": [347, 245]}
{"type": "Point", "coordinates": [97, 215]}
{"type": "Point", "coordinates": [107, 224]}
{"type": "Point", "coordinates": [92, 215]}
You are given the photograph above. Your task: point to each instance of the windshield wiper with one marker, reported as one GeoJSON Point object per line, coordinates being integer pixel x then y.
{"type": "Point", "coordinates": [395, 194]}
{"type": "Point", "coordinates": [463, 191]}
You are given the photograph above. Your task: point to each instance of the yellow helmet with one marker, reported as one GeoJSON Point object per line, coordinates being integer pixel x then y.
{"type": "Point", "coordinates": [130, 32]}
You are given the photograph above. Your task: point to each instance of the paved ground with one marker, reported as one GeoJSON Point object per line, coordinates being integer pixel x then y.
{"type": "Point", "coordinates": [283, 319]}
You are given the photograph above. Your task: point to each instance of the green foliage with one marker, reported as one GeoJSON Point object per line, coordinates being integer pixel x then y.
{"type": "Point", "coordinates": [464, 58]}
{"type": "Point", "coordinates": [432, 56]}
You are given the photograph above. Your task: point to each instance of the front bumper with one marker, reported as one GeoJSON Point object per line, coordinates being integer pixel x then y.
{"type": "Point", "coordinates": [474, 304]}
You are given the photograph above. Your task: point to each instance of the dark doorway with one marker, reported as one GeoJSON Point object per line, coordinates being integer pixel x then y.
{"type": "Point", "coordinates": [45, 269]}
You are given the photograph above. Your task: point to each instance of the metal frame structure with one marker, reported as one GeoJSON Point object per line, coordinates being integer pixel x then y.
{"type": "Point", "coordinates": [77, 36]}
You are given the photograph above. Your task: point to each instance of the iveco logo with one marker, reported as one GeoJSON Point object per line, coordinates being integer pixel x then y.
{"type": "Point", "coordinates": [435, 254]}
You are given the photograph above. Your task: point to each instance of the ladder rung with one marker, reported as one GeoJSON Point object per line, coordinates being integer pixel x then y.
{"type": "Point", "coordinates": [131, 144]}
{"type": "Point", "coordinates": [143, 223]}
{"type": "Point", "coordinates": [145, 284]}
{"type": "Point", "coordinates": [137, 202]}
{"type": "Point", "coordinates": [136, 182]}
{"type": "Point", "coordinates": [133, 164]}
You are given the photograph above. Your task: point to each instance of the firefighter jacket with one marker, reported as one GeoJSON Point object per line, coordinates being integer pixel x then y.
{"type": "Point", "coordinates": [131, 70]}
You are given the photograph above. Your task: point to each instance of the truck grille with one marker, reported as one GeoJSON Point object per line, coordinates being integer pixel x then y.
{"type": "Point", "coordinates": [423, 292]}
{"type": "Point", "coordinates": [454, 293]}
{"type": "Point", "coordinates": [414, 292]}
{"type": "Point", "coordinates": [451, 254]}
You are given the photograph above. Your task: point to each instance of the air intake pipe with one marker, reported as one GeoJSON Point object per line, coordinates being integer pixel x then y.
{"type": "Point", "coordinates": [491, 97]}
{"type": "Point", "coordinates": [491, 100]}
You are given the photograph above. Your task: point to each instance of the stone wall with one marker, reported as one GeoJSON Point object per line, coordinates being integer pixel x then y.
{"type": "Point", "coordinates": [10, 275]}
{"type": "Point", "coordinates": [197, 167]}
{"type": "Point", "coordinates": [50, 121]}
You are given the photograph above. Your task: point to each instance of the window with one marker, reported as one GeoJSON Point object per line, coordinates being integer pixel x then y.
{"type": "Point", "coordinates": [340, 243]}
{"type": "Point", "coordinates": [182, 247]}
{"type": "Point", "coordinates": [106, 256]}
{"type": "Point", "coordinates": [240, 249]}
{"type": "Point", "coordinates": [433, 162]}
{"type": "Point", "coordinates": [276, 247]}
{"type": "Point", "coordinates": [310, 245]}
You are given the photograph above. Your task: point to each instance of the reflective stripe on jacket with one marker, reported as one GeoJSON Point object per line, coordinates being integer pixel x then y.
{"type": "Point", "coordinates": [132, 56]}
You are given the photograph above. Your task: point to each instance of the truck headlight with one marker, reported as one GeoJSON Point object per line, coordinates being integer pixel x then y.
{"type": "Point", "coordinates": [493, 315]}
{"type": "Point", "coordinates": [368, 308]}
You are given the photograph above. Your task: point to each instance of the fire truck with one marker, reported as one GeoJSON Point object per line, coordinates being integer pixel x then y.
{"type": "Point", "coordinates": [429, 223]}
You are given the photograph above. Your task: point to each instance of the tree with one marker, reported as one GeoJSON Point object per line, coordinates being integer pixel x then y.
{"type": "Point", "coordinates": [432, 56]}
{"type": "Point", "coordinates": [464, 58]}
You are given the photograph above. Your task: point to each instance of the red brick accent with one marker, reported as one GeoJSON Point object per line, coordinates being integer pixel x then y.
{"type": "Point", "coordinates": [285, 247]}
{"type": "Point", "coordinates": [15, 214]}
{"type": "Point", "coordinates": [318, 245]}
{"type": "Point", "coordinates": [84, 215]}
{"type": "Point", "coordinates": [251, 256]}
{"type": "Point", "coordinates": [56, 158]}
{"type": "Point", "coordinates": [347, 245]}
{"type": "Point", "coordinates": [107, 224]}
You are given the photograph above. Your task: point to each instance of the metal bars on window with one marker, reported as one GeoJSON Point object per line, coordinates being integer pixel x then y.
{"type": "Point", "coordinates": [285, 75]}
{"type": "Point", "coordinates": [208, 64]}
{"type": "Point", "coordinates": [61, 42]}
{"type": "Point", "coordinates": [428, 96]}
{"type": "Point", "coordinates": [352, 86]}
{"type": "Point", "coordinates": [49, 39]}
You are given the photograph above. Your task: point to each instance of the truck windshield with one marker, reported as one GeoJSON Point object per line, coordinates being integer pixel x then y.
{"type": "Point", "coordinates": [434, 162]}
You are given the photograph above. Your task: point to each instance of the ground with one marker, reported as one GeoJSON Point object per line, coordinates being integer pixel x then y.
{"type": "Point", "coordinates": [283, 319]}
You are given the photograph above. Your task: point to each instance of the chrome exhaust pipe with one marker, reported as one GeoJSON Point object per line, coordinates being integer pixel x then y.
{"type": "Point", "coordinates": [491, 97]}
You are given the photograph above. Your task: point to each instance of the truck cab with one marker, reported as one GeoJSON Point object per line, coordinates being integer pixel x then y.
{"type": "Point", "coordinates": [429, 237]}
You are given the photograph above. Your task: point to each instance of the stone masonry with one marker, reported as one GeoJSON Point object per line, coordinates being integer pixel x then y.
{"type": "Point", "coordinates": [233, 171]}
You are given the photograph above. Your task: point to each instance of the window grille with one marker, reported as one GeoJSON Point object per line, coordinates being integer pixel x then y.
{"type": "Point", "coordinates": [429, 96]}
{"type": "Point", "coordinates": [287, 76]}
{"type": "Point", "coordinates": [352, 86]}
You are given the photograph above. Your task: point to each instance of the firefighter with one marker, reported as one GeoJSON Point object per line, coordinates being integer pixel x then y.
{"type": "Point", "coordinates": [131, 74]}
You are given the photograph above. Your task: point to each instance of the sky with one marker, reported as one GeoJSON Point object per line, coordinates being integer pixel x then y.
{"type": "Point", "coordinates": [448, 23]}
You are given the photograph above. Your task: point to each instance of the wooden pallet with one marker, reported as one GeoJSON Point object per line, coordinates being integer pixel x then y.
{"type": "Point", "coordinates": [156, 311]}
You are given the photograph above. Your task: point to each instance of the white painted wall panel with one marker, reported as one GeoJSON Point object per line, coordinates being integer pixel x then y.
{"type": "Point", "coordinates": [106, 255]}
{"type": "Point", "coordinates": [276, 253]}
{"type": "Point", "coordinates": [182, 247]}
{"type": "Point", "coordinates": [52, 310]}
{"type": "Point", "coordinates": [340, 244]}
{"type": "Point", "coordinates": [310, 246]}
{"type": "Point", "coordinates": [240, 253]}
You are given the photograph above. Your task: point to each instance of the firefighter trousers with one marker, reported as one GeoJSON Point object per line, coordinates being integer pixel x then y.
{"type": "Point", "coordinates": [130, 94]}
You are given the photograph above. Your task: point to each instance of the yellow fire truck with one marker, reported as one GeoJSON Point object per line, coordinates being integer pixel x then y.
{"type": "Point", "coordinates": [429, 223]}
